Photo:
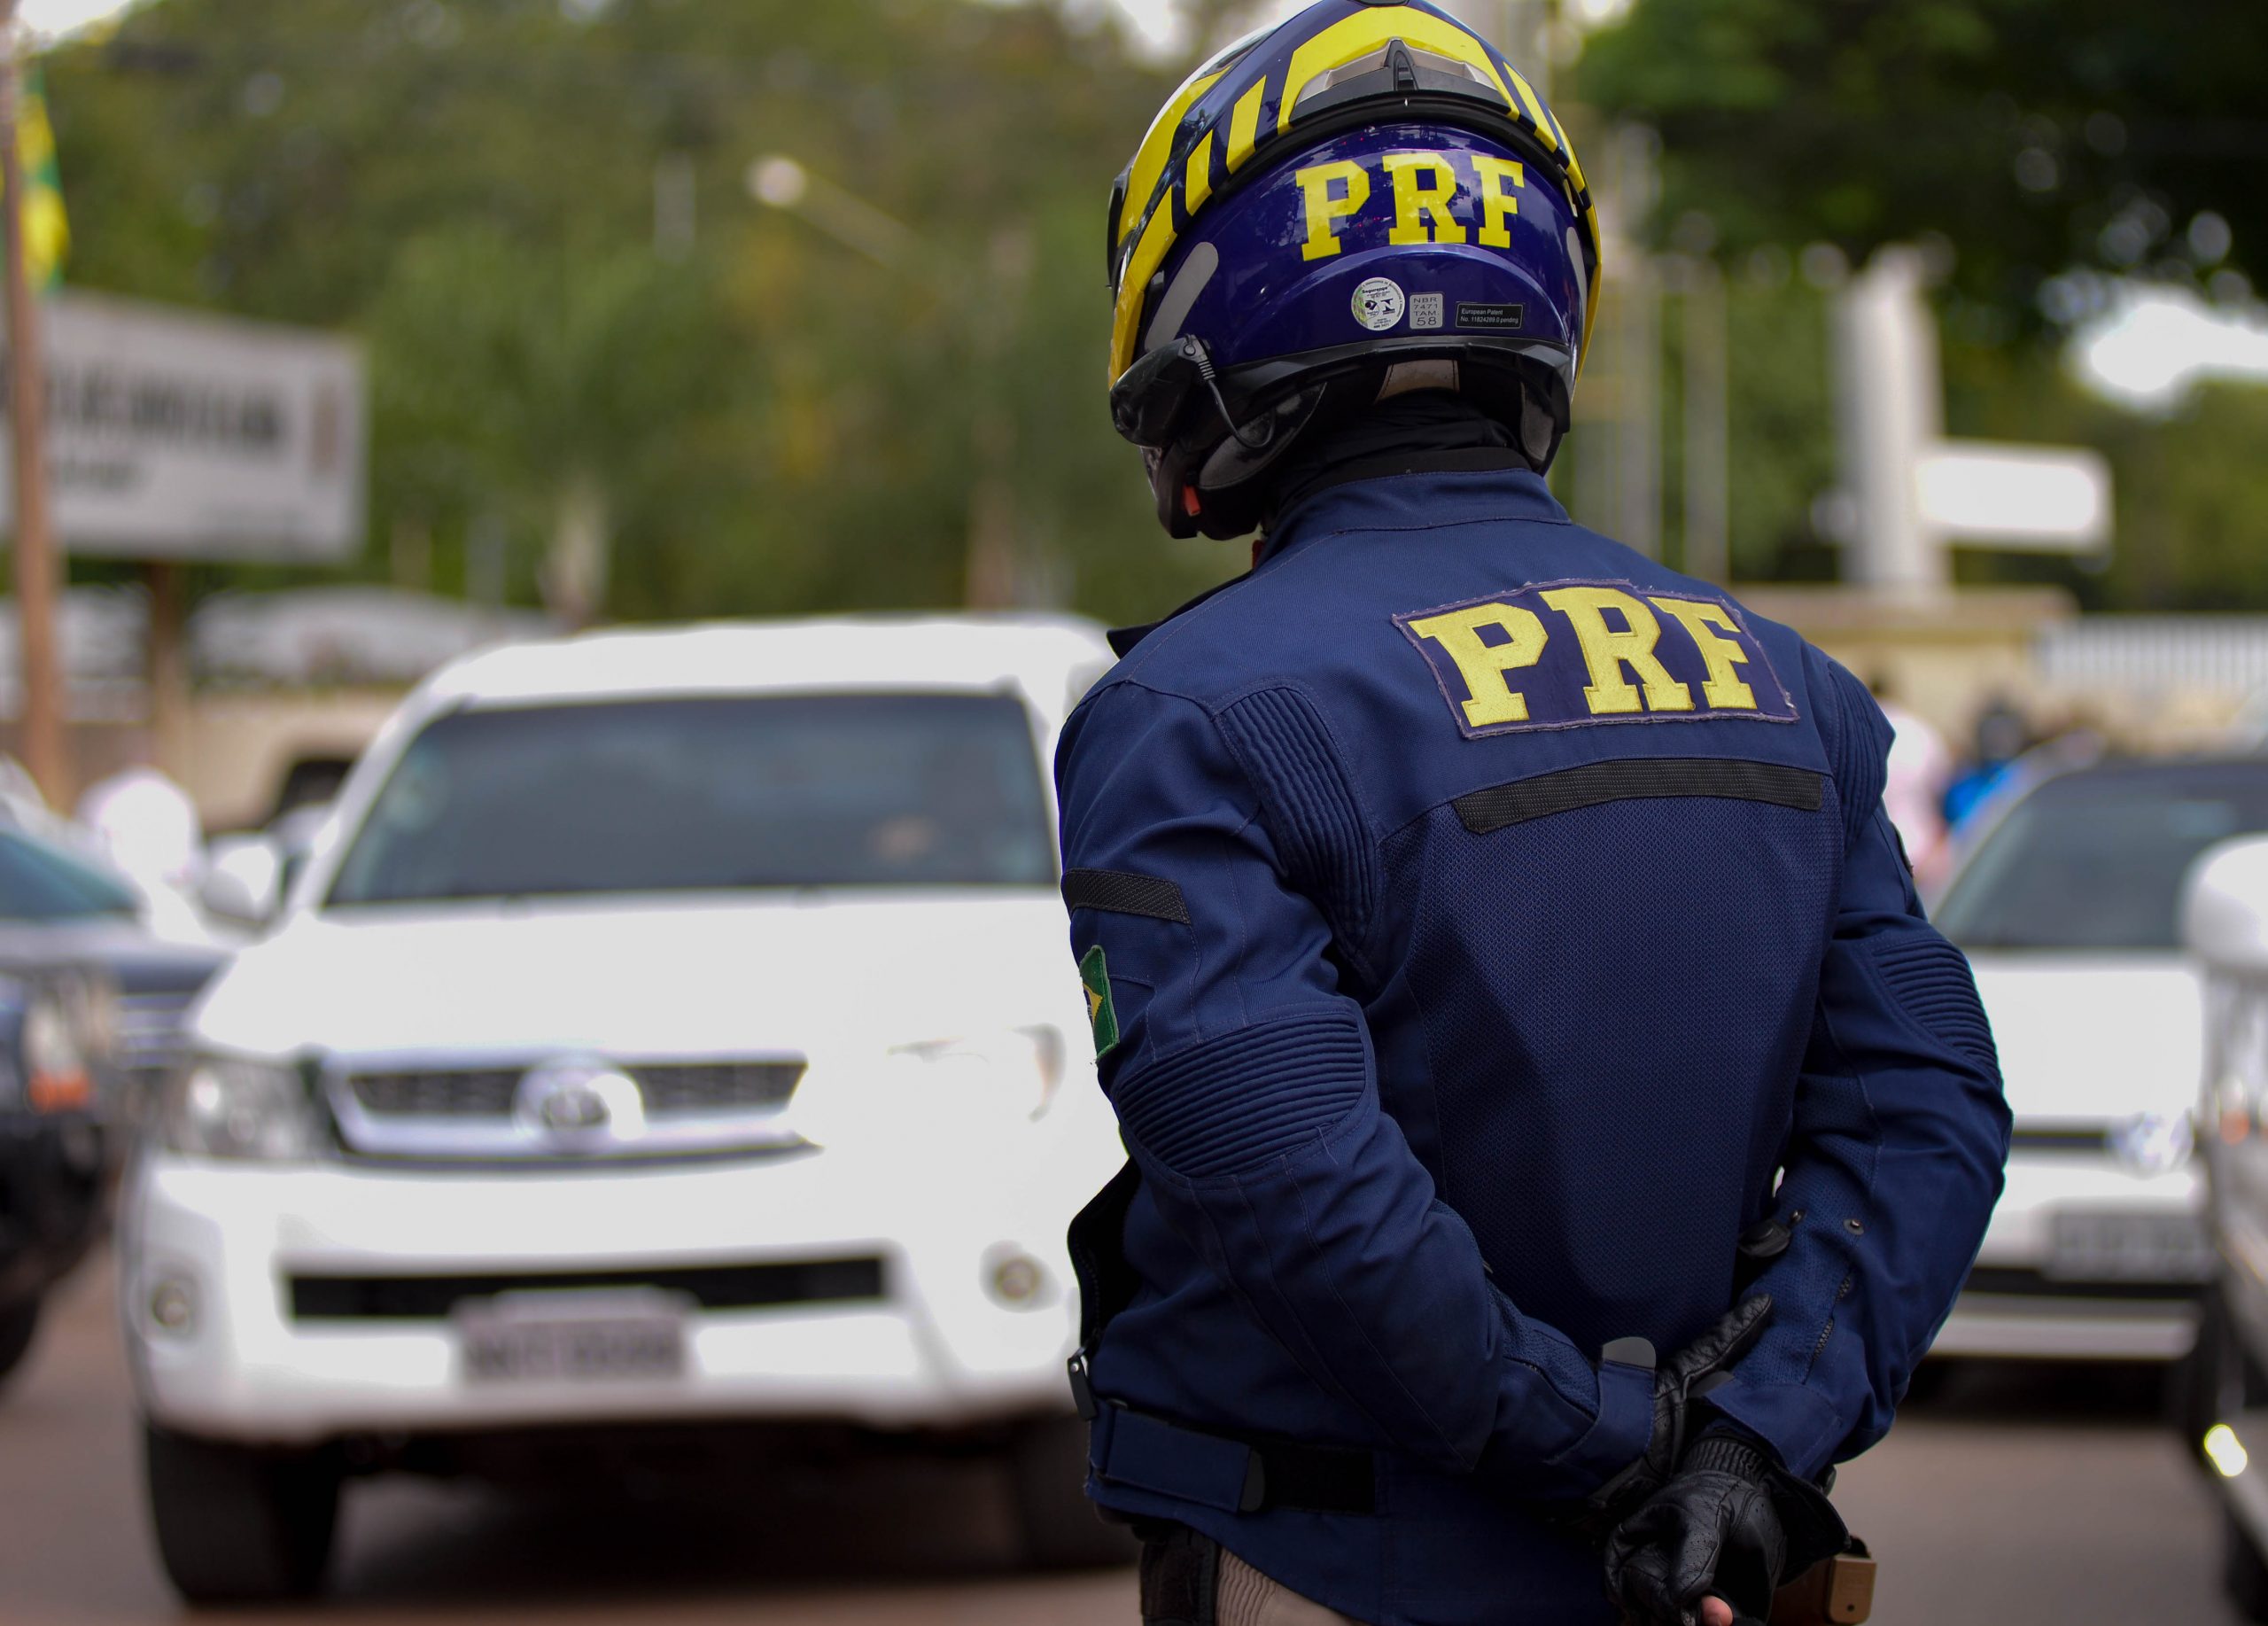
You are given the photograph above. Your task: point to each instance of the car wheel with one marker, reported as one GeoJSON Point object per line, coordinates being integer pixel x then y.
{"type": "Point", "coordinates": [1047, 1466]}
{"type": "Point", "coordinates": [2218, 1379]}
{"type": "Point", "coordinates": [237, 1525]}
{"type": "Point", "coordinates": [2194, 1384]}
{"type": "Point", "coordinates": [18, 1324]}
{"type": "Point", "coordinates": [2244, 1573]}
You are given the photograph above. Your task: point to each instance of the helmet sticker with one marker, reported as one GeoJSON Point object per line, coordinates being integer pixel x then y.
{"type": "Point", "coordinates": [1379, 304]}
{"type": "Point", "coordinates": [1428, 312]}
{"type": "Point", "coordinates": [1491, 318]}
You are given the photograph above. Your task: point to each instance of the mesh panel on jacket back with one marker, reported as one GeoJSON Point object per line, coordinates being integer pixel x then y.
{"type": "Point", "coordinates": [1554, 968]}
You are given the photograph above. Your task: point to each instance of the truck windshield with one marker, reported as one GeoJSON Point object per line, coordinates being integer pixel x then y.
{"type": "Point", "coordinates": [2095, 860]}
{"type": "Point", "coordinates": [708, 795]}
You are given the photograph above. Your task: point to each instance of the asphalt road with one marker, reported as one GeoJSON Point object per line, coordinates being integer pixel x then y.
{"type": "Point", "coordinates": [2018, 1499]}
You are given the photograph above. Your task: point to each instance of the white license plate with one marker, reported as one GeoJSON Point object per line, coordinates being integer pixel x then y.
{"type": "Point", "coordinates": [2112, 1247]}
{"type": "Point", "coordinates": [578, 1337]}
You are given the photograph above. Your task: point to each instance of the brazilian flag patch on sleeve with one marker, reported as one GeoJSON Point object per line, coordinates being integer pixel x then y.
{"type": "Point", "coordinates": [1094, 971]}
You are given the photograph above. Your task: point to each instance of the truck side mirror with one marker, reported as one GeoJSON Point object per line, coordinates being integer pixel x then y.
{"type": "Point", "coordinates": [2224, 908]}
{"type": "Point", "coordinates": [244, 880]}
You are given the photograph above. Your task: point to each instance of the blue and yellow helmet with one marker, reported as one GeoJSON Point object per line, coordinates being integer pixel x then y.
{"type": "Point", "coordinates": [1366, 200]}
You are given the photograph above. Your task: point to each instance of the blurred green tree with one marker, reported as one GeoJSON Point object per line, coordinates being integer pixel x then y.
{"type": "Point", "coordinates": [587, 340]}
{"type": "Point", "coordinates": [2027, 140]}
{"type": "Point", "coordinates": [2033, 136]}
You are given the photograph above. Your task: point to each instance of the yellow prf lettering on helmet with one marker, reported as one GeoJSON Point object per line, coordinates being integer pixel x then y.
{"type": "Point", "coordinates": [1489, 699]}
{"type": "Point", "coordinates": [1606, 652]}
{"type": "Point", "coordinates": [1722, 656]}
{"type": "Point", "coordinates": [1416, 202]}
{"type": "Point", "coordinates": [1500, 178]}
{"type": "Point", "coordinates": [1325, 211]}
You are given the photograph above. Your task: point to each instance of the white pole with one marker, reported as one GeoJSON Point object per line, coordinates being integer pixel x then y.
{"type": "Point", "coordinates": [1890, 407]}
{"type": "Point", "coordinates": [1708, 433]}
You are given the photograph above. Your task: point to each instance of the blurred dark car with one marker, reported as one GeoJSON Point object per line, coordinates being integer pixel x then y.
{"type": "Point", "coordinates": [61, 910]}
{"type": "Point", "coordinates": [57, 1148]}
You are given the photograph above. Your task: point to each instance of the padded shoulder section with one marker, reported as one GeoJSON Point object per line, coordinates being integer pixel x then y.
{"type": "Point", "coordinates": [1932, 981]}
{"type": "Point", "coordinates": [1309, 807]}
{"type": "Point", "coordinates": [1856, 737]}
{"type": "Point", "coordinates": [1235, 1102]}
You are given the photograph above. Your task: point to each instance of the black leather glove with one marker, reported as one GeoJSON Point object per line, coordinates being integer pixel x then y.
{"type": "Point", "coordinates": [1688, 1375]}
{"type": "Point", "coordinates": [1731, 1524]}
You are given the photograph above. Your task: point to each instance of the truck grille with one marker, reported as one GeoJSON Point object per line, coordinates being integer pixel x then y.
{"type": "Point", "coordinates": [679, 1089]}
{"type": "Point", "coordinates": [484, 1093]}
{"type": "Point", "coordinates": [150, 1042]}
{"type": "Point", "coordinates": [473, 1113]}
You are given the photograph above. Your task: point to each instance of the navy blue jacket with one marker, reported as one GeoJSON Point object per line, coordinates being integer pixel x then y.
{"type": "Point", "coordinates": [1488, 926]}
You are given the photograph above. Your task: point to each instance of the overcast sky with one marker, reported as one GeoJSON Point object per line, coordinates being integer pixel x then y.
{"type": "Point", "coordinates": [57, 16]}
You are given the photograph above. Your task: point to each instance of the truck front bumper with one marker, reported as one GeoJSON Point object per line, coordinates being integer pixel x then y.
{"type": "Point", "coordinates": [2030, 1298]}
{"type": "Point", "coordinates": [288, 1305]}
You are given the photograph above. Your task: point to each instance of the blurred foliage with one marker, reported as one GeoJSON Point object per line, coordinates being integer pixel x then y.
{"type": "Point", "coordinates": [2038, 147]}
{"type": "Point", "coordinates": [754, 416]}
{"type": "Point", "coordinates": [759, 419]}
{"type": "Point", "coordinates": [2033, 136]}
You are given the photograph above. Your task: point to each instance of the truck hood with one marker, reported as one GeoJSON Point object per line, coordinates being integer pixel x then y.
{"type": "Point", "coordinates": [810, 972]}
{"type": "Point", "coordinates": [2094, 1037]}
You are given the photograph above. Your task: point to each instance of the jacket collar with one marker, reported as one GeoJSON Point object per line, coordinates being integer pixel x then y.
{"type": "Point", "coordinates": [1404, 499]}
{"type": "Point", "coordinates": [1414, 499]}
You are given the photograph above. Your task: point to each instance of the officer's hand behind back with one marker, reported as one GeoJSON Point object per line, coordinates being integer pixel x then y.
{"type": "Point", "coordinates": [1685, 1378]}
{"type": "Point", "coordinates": [1730, 1525]}
{"type": "Point", "coordinates": [1711, 1531]}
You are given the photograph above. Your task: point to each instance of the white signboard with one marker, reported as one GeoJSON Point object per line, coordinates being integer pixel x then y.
{"type": "Point", "coordinates": [172, 434]}
{"type": "Point", "coordinates": [2025, 497]}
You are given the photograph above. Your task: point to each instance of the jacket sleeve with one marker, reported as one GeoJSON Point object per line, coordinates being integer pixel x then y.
{"type": "Point", "coordinates": [1899, 1136]}
{"type": "Point", "coordinates": [1203, 852]}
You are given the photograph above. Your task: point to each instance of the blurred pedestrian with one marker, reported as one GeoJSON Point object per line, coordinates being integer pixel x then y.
{"type": "Point", "coordinates": [1921, 771]}
{"type": "Point", "coordinates": [147, 826]}
{"type": "Point", "coordinates": [2002, 736]}
{"type": "Point", "coordinates": [1461, 898]}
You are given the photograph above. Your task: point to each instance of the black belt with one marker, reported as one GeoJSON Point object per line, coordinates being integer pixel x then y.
{"type": "Point", "coordinates": [1235, 1473]}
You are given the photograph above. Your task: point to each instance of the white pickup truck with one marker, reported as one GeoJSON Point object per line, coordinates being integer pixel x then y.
{"type": "Point", "coordinates": [670, 1030]}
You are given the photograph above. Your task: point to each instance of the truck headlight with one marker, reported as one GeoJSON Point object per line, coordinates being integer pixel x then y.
{"type": "Point", "coordinates": [243, 1109]}
{"type": "Point", "coordinates": [1014, 1068]}
{"type": "Point", "coordinates": [57, 1072]}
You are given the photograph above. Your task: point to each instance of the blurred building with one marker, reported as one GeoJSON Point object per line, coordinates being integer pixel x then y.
{"type": "Point", "coordinates": [276, 679]}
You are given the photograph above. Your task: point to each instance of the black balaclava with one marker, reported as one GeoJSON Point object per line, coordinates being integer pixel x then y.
{"type": "Point", "coordinates": [1430, 429]}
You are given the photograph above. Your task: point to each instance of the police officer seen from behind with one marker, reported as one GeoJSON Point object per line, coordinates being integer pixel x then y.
{"type": "Point", "coordinates": [1499, 961]}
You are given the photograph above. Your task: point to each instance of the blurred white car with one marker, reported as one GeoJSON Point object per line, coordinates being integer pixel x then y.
{"type": "Point", "coordinates": [668, 1028]}
{"type": "Point", "coordinates": [2068, 908]}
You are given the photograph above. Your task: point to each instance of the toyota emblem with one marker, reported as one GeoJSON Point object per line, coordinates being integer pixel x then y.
{"type": "Point", "coordinates": [581, 1104]}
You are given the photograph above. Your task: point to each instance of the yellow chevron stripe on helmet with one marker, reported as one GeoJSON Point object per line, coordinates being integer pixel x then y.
{"type": "Point", "coordinates": [1126, 322]}
{"type": "Point", "coordinates": [1151, 157]}
{"type": "Point", "coordinates": [1373, 29]}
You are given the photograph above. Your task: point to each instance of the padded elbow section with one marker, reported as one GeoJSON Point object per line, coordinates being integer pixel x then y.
{"type": "Point", "coordinates": [1231, 1104]}
{"type": "Point", "coordinates": [1932, 984]}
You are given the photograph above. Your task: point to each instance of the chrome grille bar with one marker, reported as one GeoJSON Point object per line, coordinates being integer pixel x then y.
{"type": "Point", "coordinates": [438, 1111]}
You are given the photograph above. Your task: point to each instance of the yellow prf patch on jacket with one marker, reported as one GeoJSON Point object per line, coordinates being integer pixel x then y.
{"type": "Point", "coordinates": [1569, 654]}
